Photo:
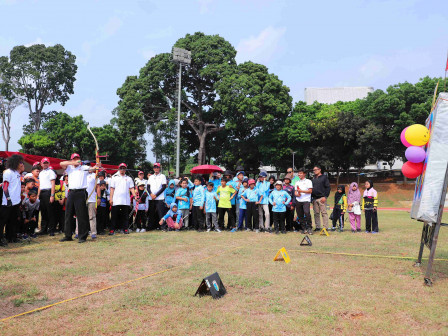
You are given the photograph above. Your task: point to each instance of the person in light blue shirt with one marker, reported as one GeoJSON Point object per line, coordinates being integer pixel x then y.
{"type": "Point", "coordinates": [173, 218]}
{"type": "Point", "coordinates": [183, 198]}
{"type": "Point", "coordinates": [170, 191]}
{"type": "Point", "coordinates": [198, 204]}
{"type": "Point", "coordinates": [263, 187]}
{"type": "Point", "coordinates": [210, 208]}
{"type": "Point", "coordinates": [242, 204]}
{"type": "Point", "coordinates": [279, 198]}
{"type": "Point", "coordinates": [215, 178]}
{"type": "Point", "coordinates": [252, 197]}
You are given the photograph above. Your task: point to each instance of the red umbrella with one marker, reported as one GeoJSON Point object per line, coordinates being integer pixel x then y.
{"type": "Point", "coordinates": [205, 169]}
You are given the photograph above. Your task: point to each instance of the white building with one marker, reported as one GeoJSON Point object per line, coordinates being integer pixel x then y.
{"type": "Point", "coordinates": [333, 95]}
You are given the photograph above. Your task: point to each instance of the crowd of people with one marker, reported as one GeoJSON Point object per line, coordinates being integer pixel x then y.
{"type": "Point", "coordinates": [87, 201]}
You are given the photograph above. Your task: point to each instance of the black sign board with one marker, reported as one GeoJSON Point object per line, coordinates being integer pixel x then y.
{"type": "Point", "coordinates": [306, 241]}
{"type": "Point", "coordinates": [211, 285]}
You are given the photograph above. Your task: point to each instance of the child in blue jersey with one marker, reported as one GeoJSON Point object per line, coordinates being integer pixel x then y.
{"type": "Point", "coordinates": [210, 208]}
{"type": "Point", "coordinates": [183, 198]}
{"type": "Point", "coordinates": [170, 191]}
{"type": "Point", "coordinates": [263, 187]}
{"type": "Point", "coordinates": [279, 198]}
{"type": "Point", "coordinates": [198, 204]}
{"type": "Point", "coordinates": [252, 197]}
{"type": "Point", "coordinates": [242, 204]}
{"type": "Point", "coordinates": [173, 218]}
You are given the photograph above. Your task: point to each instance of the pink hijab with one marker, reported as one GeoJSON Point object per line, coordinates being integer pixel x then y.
{"type": "Point", "coordinates": [353, 196]}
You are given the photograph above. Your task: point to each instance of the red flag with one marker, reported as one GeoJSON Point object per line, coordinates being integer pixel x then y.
{"type": "Point", "coordinates": [446, 69]}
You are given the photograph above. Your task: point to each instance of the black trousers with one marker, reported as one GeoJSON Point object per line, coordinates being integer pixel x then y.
{"type": "Point", "coordinates": [252, 216]}
{"type": "Point", "coordinates": [371, 220]}
{"type": "Point", "coordinates": [231, 219]}
{"type": "Point", "coordinates": [140, 219]}
{"type": "Point", "coordinates": [59, 216]}
{"type": "Point", "coordinates": [48, 222]}
{"type": "Point", "coordinates": [289, 216]}
{"type": "Point", "coordinates": [157, 210]}
{"type": "Point", "coordinates": [338, 218]}
{"type": "Point", "coordinates": [120, 217]}
{"type": "Point", "coordinates": [76, 204]}
{"type": "Point", "coordinates": [29, 227]}
{"type": "Point", "coordinates": [279, 220]}
{"type": "Point", "coordinates": [304, 215]}
{"type": "Point", "coordinates": [102, 219]}
{"type": "Point", "coordinates": [9, 220]}
{"type": "Point", "coordinates": [198, 217]}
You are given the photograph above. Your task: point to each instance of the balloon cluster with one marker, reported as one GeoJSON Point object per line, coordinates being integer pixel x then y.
{"type": "Point", "coordinates": [414, 138]}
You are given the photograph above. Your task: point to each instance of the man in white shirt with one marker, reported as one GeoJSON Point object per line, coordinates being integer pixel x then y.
{"type": "Point", "coordinates": [47, 178]}
{"type": "Point", "coordinates": [91, 203]}
{"type": "Point", "coordinates": [120, 186]}
{"type": "Point", "coordinates": [156, 188]}
{"type": "Point", "coordinates": [303, 189]}
{"type": "Point", "coordinates": [77, 197]}
{"type": "Point", "coordinates": [11, 199]}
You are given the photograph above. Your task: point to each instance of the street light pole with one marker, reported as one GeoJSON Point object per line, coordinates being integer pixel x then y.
{"type": "Point", "coordinates": [293, 169]}
{"type": "Point", "coordinates": [180, 56]}
{"type": "Point", "coordinates": [178, 122]}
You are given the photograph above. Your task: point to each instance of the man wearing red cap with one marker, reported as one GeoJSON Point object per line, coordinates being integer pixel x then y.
{"type": "Point", "coordinates": [120, 186]}
{"type": "Point", "coordinates": [47, 178]}
{"type": "Point", "coordinates": [156, 187]}
{"type": "Point", "coordinates": [77, 197]}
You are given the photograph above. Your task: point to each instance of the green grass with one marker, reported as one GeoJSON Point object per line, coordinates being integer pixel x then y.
{"type": "Point", "coordinates": [316, 294]}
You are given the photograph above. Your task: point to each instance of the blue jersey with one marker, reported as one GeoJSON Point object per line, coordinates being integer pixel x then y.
{"type": "Point", "coordinates": [216, 183]}
{"type": "Point", "coordinates": [169, 195]}
{"type": "Point", "coordinates": [198, 196]}
{"type": "Point", "coordinates": [263, 188]}
{"type": "Point", "coordinates": [234, 185]}
{"type": "Point", "coordinates": [253, 195]}
{"type": "Point", "coordinates": [210, 202]}
{"type": "Point", "coordinates": [279, 197]}
{"type": "Point", "coordinates": [241, 201]}
{"type": "Point", "coordinates": [184, 193]}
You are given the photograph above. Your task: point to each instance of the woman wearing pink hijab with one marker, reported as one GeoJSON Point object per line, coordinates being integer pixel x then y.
{"type": "Point", "coordinates": [354, 207]}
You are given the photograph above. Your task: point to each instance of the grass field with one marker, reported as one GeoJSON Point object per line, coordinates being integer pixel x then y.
{"type": "Point", "coordinates": [315, 294]}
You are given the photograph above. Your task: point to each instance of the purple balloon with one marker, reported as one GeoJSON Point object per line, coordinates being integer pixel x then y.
{"type": "Point", "coordinates": [415, 154]}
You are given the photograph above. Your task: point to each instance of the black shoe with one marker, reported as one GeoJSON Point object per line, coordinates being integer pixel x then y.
{"type": "Point", "coordinates": [81, 241]}
{"type": "Point", "coordinates": [317, 229]}
{"type": "Point", "coordinates": [3, 243]}
{"type": "Point", "coordinates": [276, 232]}
{"type": "Point", "coordinates": [284, 232]}
{"type": "Point", "coordinates": [66, 239]}
{"type": "Point", "coordinates": [51, 234]}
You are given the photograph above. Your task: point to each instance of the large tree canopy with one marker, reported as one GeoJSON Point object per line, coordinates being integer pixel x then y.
{"type": "Point", "coordinates": [40, 75]}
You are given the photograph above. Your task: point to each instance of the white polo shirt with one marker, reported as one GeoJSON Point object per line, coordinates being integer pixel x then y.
{"type": "Point", "coordinates": [155, 182]}
{"type": "Point", "coordinates": [77, 176]}
{"type": "Point", "coordinates": [45, 178]}
{"type": "Point", "coordinates": [121, 185]}
{"type": "Point", "coordinates": [136, 180]}
{"type": "Point", "coordinates": [90, 186]}
{"type": "Point", "coordinates": [304, 184]}
{"type": "Point", "coordinates": [14, 188]}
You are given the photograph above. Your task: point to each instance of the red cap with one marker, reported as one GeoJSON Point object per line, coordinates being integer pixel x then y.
{"type": "Point", "coordinates": [251, 181]}
{"type": "Point", "coordinates": [36, 163]}
{"type": "Point", "coordinates": [122, 165]}
{"type": "Point", "coordinates": [156, 164]}
{"type": "Point", "coordinates": [74, 155]}
{"type": "Point", "coordinates": [45, 159]}
{"type": "Point", "coordinates": [140, 172]}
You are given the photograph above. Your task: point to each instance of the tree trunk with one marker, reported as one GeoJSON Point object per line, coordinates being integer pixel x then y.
{"type": "Point", "coordinates": [202, 152]}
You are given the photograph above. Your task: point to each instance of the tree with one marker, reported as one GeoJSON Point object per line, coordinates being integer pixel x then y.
{"type": "Point", "coordinates": [154, 91]}
{"type": "Point", "coordinates": [7, 106]}
{"type": "Point", "coordinates": [41, 75]}
{"type": "Point", "coordinates": [253, 105]}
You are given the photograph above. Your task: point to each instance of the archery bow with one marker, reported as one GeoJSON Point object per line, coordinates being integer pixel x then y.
{"type": "Point", "coordinates": [97, 160]}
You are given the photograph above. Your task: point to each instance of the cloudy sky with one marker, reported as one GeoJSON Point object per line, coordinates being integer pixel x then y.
{"type": "Point", "coordinates": [306, 43]}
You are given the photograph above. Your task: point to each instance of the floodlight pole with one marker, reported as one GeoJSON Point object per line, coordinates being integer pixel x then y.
{"type": "Point", "coordinates": [178, 122]}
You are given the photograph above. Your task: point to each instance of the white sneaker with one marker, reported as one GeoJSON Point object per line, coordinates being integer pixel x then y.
{"type": "Point", "coordinates": [208, 230]}
{"type": "Point", "coordinates": [143, 230]}
{"type": "Point", "coordinates": [138, 230]}
{"type": "Point", "coordinates": [257, 231]}
{"type": "Point", "coordinates": [217, 230]}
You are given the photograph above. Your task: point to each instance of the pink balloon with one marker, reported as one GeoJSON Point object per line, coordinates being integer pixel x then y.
{"type": "Point", "coordinates": [415, 154]}
{"type": "Point", "coordinates": [403, 139]}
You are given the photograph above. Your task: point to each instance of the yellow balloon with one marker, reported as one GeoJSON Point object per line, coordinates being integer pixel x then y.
{"type": "Point", "coordinates": [417, 135]}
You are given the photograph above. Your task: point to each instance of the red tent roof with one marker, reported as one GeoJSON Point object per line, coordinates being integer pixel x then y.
{"type": "Point", "coordinates": [54, 162]}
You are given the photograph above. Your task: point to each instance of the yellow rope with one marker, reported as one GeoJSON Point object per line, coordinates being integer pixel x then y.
{"type": "Point", "coordinates": [110, 287]}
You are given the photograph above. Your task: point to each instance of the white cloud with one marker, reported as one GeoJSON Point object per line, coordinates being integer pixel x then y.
{"type": "Point", "coordinates": [204, 6]}
{"type": "Point", "coordinates": [148, 53]}
{"type": "Point", "coordinates": [262, 47]}
{"type": "Point", "coordinates": [112, 26]}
